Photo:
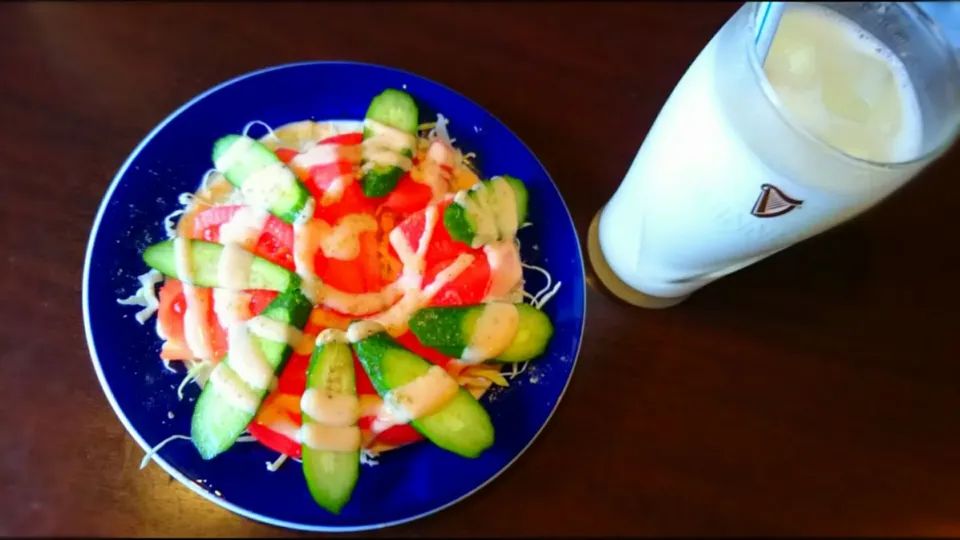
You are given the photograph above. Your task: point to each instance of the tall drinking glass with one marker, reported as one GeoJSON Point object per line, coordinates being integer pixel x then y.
{"type": "Point", "coordinates": [757, 149]}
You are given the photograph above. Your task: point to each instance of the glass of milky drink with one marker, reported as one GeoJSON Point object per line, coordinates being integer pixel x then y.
{"type": "Point", "coordinates": [771, 138]}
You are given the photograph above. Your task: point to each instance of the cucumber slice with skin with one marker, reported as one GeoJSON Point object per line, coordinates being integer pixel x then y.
{"type": "Point", "coordinates": [216, 422]}
{"type": "Point", "coordinates": [398, 110]}
{"type": "Point", "coordinates": [331, 476]}
{"type": "Point", "coordinates": [286, 195]}
{"type": "Point", "coordinates": [205, 257]}
{"type": "Point", "coordinates": [462, 426]}
{"type": "Point", "coordinates": [450, 329]}
{"type": "Point", "coordinates": [464, 224]}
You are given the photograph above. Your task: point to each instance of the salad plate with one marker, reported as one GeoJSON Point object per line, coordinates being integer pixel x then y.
{"type": "Point", "coordinates": [333, 296]}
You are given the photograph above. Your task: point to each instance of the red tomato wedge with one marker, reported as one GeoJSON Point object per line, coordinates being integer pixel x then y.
{"type": "Point", "coordinates": [442, 247]}
{"type": "Point", "coordinates": [285, 154]}
{"type": "Point", "coordinates": [278, 407]}
{"type": "Point", "coordinates": [346, 139]}
{"type": "Point", "coordinates": [275, 243]}
{"type": "Point", "coordinates": [260, 299]}
{"type": "Point", "coordinates": [353, 201]}
{"type": "Point", "coordinates": [468, 288]}
{"type": "Point", "coordinates": [409, 196]}
{"type": "Point", "coordinates": [172, 306]}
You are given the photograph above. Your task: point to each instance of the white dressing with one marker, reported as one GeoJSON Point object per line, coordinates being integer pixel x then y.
{"type": "Point", "coordinates": [280, 332]}
{"type": "Point", "coordinates": [233, 269]}
{"type": "Point", "coordinates": [360, 330]}
{"type": "Point", "coordinates": [229, 385]}
{"type": "Point", "coordinates": [495, 329]}
{"type": "Point", "coordinates": [340, 410]}
{"type": "Point", "coordinates": [264, 187]}
{"type": "Point", "coordinates": [247, 359]}
{"type": "Point", "coordinates": [423, 396]}
{"type": "Point", "coordinates": [506, 271]}
{"type": "Point", "coordinates": [332, 438]}
{"type": "Point", "coordinates": [231, 306]}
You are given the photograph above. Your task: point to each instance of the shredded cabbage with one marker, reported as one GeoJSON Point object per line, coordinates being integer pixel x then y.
{"type": "Point", "coordinates": [272, 466]}
{"type": "Point", "coordinates": [196, 371]}
{"type": "Point", "coordinates": [155, 449]}
{"type": "Point", "coordinates": [145, 296]}
{"type": "Point", "coordinates": [246, 128]}
{"type": "Point", "coordinates": [368, 458]}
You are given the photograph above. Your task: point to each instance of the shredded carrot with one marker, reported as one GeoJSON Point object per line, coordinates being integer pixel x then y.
{"type": "Point", "coordinates": [390, 266]}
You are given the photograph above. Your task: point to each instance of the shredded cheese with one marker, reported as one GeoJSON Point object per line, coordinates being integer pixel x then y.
{"type": "Point", "coordinates": [145, 296]}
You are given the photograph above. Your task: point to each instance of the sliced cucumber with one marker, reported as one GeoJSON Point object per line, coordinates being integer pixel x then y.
{"type": "Point", "coordinates": [396, 109]}
{"type": "Point", "coordinates": [479, 216]}
{"type": "Point", "coordinates": [216, 421]}
{"type": "Point", "coordinates": [451, 329]}
{"type": "Point", "coordinates": [205, 257]}
{"type": "Point", "coordinates": [241, 159]}
{"type": "Point", "coordinates": [331, 476]}
{"type": "Point", "coordinates": [462, 426]}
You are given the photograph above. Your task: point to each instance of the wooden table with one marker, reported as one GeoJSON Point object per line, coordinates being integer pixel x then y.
{"type": "Point", "coordinates": [813, 393]}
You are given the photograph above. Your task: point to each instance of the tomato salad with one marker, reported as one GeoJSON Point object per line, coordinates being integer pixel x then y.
{"type": "Point", "coordinates": [340, 289]}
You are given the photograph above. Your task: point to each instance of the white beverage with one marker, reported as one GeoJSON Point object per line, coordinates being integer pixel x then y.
{"type": "Point", "coordinates": [725, 177]}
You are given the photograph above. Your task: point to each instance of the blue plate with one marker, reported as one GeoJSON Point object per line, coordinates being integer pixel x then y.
{"type": "Point", "coordinates": [408, 483]}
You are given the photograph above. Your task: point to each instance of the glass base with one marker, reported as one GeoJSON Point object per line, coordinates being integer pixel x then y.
{"type": "Point", "coordinates": [614, 284]}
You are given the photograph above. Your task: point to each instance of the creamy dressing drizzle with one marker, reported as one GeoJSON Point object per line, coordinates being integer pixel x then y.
{"type": "Point", "coordinates": [331, 438]}
{"type": "Point", "coordinates": [239, 237]}
{"type": "Point", "coordinates": [342, 241]}
{"type": "Point", "coordinates": [247, 359]}
{"type": "Point", "coordinates": [361, 330]}
{"type": "Point", "coordinates": [194, 328]}
{"type": "Point", "coordinates": [423, 396]}
{"type": "Point", "coordinates": [264, 187]}
{"type": "Point", "coordinates": [233, 270]}
{"type": "Point", "coordinates": [229, 385]}
{"type": "Point", "coordinates": [395, 318]}
{"type": "Point", "coordinates": [492, 206]}
{"type": "Point", "coordinates": [506, 272]}
{"type": "Point", "coordinates": [329, 408]}
{"type": "Point", "coordinates": [495, 329]}
{"type": "Point", "coordinates": [436, 170]}
{"type": "Point", "coordinates": [506, 208]}
{"type": "Point", "coordinates": [231, 306]}
{"type": "Point", "coordinates": [384, 147]}
{"type": "Point", "coordinates": [326, 154]}
{"type": "Point", "coordinates": [245, 227]}
{"type": "Point", "coordinates": [280, 332]}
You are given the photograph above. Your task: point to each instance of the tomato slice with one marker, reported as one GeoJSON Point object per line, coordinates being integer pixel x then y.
{"type": "Point", "coordinates": [293, 380]}
{"type": "Point", "coordinates": [172, 305]}
{"type": "Point", "coordinates": [442, 246]}
{"type": "Point", "coordinates": [409, 196]}
{"type": "Point", "coordinates": [260, 299]}
{"type": "Point", "coordinates": [468, 288]}
{"type": "Point", "coordinates": [346, 139]}
{"type": "Point", "coordinates": [275, 243]}
{"type": "Point", "coordinates": [285, 154]}
{"type": "Point", "coordinates": [368, 262]}
{"type": "Point", "coordinates": [399, 435]}
{"type": "Point", "coordinates": [353, 201]}
{"type": "Point", "coordinates": [277, 407]}
{"type": "Point", "coordinates": [321, 176]}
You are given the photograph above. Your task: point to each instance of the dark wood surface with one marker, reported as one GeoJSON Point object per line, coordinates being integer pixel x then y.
{"type": "Point", "coordinates": [815, 392]}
